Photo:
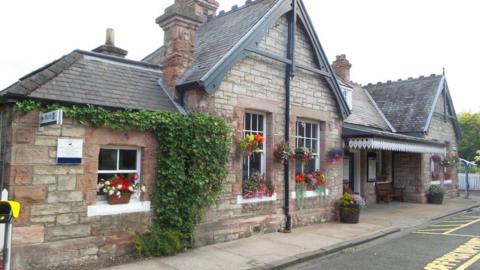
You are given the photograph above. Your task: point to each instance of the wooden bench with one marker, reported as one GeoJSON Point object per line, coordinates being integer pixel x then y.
{"type": "Point", "coordinates": [386, 192]}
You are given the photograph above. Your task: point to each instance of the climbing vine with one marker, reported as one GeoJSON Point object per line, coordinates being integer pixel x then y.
{"type": "Point", "coordinates": [191, 163]}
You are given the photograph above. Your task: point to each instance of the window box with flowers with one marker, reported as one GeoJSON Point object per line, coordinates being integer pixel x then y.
{"type": "Point", "coordinates": [118, 172]}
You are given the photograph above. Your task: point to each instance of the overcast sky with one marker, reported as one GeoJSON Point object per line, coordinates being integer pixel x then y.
{"type": "Point", "coordinates": [384, 40]}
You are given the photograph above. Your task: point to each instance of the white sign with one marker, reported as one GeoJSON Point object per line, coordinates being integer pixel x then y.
{"type": "Point", "coordinates": [69, 151]}
{"type": "Point", "coordinates": [50, 118]}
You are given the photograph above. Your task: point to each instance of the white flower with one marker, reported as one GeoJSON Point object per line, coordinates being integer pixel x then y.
{"type": "Point", "coordinates": [119, 186]}
{"type": "Point", "coordinates": [119, 194]}
{"type": "Point", "coordinates": [110, 192]}
{"type": "Point", "coordinates": [143, 189]}
{"type": "Point", "coordinates": [107, 183]}
{"type": "Point", "coordinates": [105, 190]}
{"type": "Point", "coordinates": [130, 188]}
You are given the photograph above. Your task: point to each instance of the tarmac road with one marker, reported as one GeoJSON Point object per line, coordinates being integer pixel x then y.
{"type": "Point", "coordinates": [451, 243]}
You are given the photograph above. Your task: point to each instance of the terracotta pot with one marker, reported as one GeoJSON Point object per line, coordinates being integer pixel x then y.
{"type": "Point", "coordinates": [349, 215]}
{"type": "Point", "coordinates": [124, 199]}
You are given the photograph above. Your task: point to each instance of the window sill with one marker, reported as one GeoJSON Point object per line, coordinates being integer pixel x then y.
{"type": "Point", "coordinates": [241, 200]}
{"type": "Point", "coordinates": [311, 194]}
{"type": "Point", "coordinates": [102, 208]}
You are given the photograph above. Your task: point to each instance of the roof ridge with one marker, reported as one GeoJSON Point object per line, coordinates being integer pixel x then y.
{"type": "Point", "coordinates": [400, 80]}
{"type": "Point", "coordinates": [235, 8]}
{"type": "Point", "coordinates": [118, 59]}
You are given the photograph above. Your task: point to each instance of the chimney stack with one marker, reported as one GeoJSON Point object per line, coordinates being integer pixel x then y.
{"type": "Point", "coordinates": [109, 46]}
{"type": "Point", "coordinates": [341, 66]}
{"type": "Point", "coordinates": [180, 23]}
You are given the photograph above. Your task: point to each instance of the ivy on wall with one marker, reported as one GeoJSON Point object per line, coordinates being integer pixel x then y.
{"type": "Point", "coordinates": [193, 151]}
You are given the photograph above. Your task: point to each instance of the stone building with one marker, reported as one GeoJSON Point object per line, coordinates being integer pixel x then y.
{"type": "Point", "coordinates": [261, 68]}
{"type": "Point", "coordinates": [399, 132]}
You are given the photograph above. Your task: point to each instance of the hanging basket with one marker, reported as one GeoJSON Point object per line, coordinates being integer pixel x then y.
{"type": "Point", "coordinates": [124, 199]}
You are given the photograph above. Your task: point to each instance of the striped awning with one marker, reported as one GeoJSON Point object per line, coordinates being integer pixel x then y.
{"type": "Point", "coordinates": [394, 145]}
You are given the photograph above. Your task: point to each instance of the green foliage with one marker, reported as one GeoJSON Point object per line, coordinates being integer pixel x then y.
{"type": "Point", "coordinates": [470, 143]}
{"type": "Point", "coordinates": [436, 190]}
{"type": "Point", "coordinates": [158, 243]}
{"type": "Point", "coordinates": [193, 151]}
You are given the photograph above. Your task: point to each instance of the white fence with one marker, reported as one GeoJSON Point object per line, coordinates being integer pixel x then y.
{"type": "Point", "coordinates": [473, 180]}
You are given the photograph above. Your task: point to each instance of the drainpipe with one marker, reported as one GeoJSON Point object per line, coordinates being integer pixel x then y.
{"type": "Point", "coordinates": [290, 73]}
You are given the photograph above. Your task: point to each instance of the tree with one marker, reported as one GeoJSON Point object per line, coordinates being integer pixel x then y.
{"type": "Point", "coordinates": [470, 143]}
{"type": "Point", "coordinates": [477, 157]}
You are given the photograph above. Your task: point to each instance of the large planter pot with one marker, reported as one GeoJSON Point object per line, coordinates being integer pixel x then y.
{"type": "Point", "coordinates": [349, 215]}
{"type": "Point", "coordinates": [435, 198]}
{"type": "Point", "coordinates": [124, 199]}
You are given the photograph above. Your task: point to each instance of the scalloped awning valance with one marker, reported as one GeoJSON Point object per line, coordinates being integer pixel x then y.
{"type": "Point", "coordinates": [394, 145]}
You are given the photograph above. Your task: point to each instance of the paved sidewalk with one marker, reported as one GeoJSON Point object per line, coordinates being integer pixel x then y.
{"type": "Point", "coordinates": [270, 251]}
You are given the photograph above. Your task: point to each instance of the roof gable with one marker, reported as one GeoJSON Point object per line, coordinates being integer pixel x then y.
{"type": "Point", "coordinates": [238, 32]}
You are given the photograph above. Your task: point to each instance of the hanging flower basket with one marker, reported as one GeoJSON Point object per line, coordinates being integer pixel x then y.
{"type": "Point", "coordinates": [251, 144]}
{"type": "Point", "coordinates": [303, 154]}
{"type": "Point", "coordinates": [334, 155]}
{"type": "Point", "coordinates": [283, 152]}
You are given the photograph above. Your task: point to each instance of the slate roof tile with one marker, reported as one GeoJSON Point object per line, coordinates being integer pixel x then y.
{"type": "Point", "coordinates": [90, 78]}
{"type": "Point", "coordinates": [406, 103]}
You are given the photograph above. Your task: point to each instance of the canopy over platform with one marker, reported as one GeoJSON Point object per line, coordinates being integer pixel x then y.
{"type": "Point", "coordinates": [395, 145]}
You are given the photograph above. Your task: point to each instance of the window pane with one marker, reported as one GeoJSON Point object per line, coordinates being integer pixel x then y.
{"type": "Point", "coordinates": [300, 129]}
{"type": "Point", "coordinates": [308, 130]}
{"type": "Point", "coordinates": [260, 123]}
{"type": "Point", "coordinates": [315, 131]}
{"type": "Point", "coordinates": [245, 169]}
{"type": "Point", "coordinates": [308, 144]}
{"type": "Point", "coordinates": [128, 160]}
{"type": "Point", "coordinates": [248, 123]}
{"type": "Point", "coordinates": [315, 146]}
{"type": "Point", "coordinates": [254, 122]}
{"type": "Point", "coordinates": [309, 166]}
{"type": "Point", "coordinates": [301, 142]}
{"type": "Point", "coordinates": [256, 163]}
{"type": "Point", "coordinates": [107, 159]}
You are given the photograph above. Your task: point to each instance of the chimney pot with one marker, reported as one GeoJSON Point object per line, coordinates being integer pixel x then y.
{"type": "Point", "coordinates": [110, 38]}
{"type": "Point", "coordinates": [109, 46]}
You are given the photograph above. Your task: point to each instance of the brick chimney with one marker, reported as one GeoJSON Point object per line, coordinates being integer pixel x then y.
{"type": "Point", "coordinates": [180, 23]}
{"type": "Point", "coordinates": [109, 46]}
{"type": "Point", "coordinates": [341, 66]}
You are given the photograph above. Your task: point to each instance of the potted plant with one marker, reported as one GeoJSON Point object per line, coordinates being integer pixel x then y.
{"type": "Point", "coordinates": [251, 143]}
{"type": "Point", "coordinates": [435, 194]}
{"type": "Point", "coordinates": [350, 205]}
{"type": "Point", "coordinates": [120, 188]}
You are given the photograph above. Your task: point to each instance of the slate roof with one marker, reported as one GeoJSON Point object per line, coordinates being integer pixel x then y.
{"type": "Point", "coordinates": [156, 57]}
{"type": "Point", "coordinates": [407, 103]}
{"type": "Point", "coordinates": [217, 36]}
{"type": "Point", "coordinates": [91, 78]}
{"type": "Point", "coordinates": [364, 110]}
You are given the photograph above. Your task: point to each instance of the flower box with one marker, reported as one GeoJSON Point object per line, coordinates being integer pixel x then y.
{"type": "Point", "coordinates": [123, 199]}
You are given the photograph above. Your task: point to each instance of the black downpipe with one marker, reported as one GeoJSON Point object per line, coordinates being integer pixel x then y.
{"type": "Point", "coordinates": [290, 73]}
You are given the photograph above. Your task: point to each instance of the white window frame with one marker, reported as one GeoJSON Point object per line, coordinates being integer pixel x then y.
{"type": "Point", "coordinates": [297, 137]}
{"type": "Point", "coordinates": [263, 161]}
{"type": "Point", "coordinates": [102, 208]}
{"type": "Point", "coordinates": [347, 94]}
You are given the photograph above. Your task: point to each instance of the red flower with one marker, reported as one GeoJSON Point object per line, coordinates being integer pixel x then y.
{"type": "Point", "coordinates": [259, 138]}
{"type": "Point", "coordinates": [300, 178]}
